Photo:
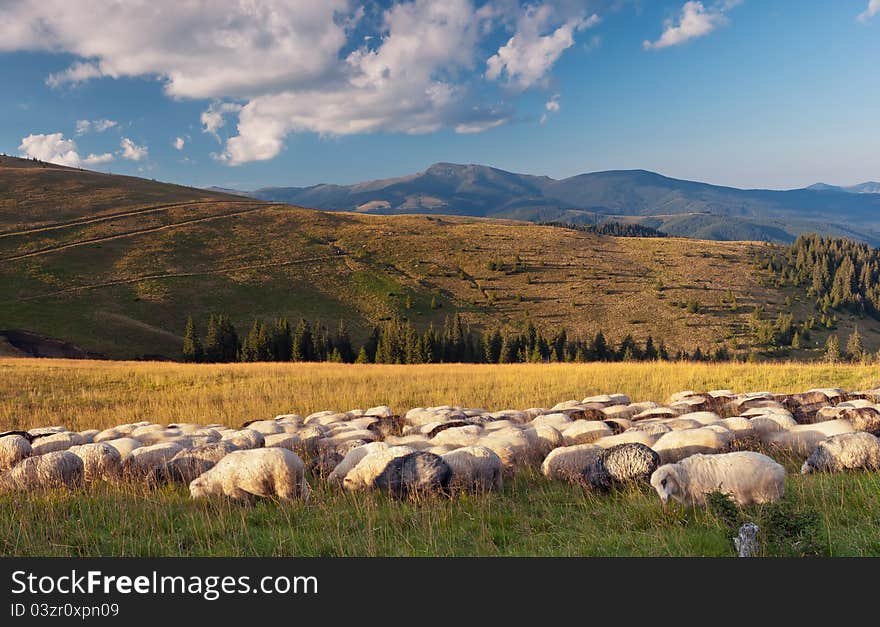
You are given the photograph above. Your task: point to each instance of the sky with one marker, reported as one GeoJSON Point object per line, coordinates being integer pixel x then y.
{"type": "Point", "coordinates": [773, 94]}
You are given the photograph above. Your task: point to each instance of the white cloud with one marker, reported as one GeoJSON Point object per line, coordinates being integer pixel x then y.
{"type": "Point", "coordinates": [132, 151]}
{"type": "Point", "coordinates": [551, 106]}
{"type": "Point", "coordinates": [290, 66]}
{"type": "Point", "coordinates": [51, 147]}
{"type": "Point", "coordinates": [872, 10]}
{"type": "Point", "coordinates": [98, 159]}
{"type": "Point", "coordinates": [77, 73]}
{"type": "Point", "coordinates": [214, 117]}
{"type": "Point", "coordinates": [98, 126]}
{"type": "Point", "coordinates": [695, 21]}
{"type": "Point", "coordinates": [178, 143]}
{"type": "Point", "coordinates": [529, 55]}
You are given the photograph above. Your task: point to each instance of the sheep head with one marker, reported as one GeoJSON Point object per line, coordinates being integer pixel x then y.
{"type": "Point", "coordinates": [666, 482]}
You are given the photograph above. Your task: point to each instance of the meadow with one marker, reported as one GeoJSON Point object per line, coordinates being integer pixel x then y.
{"type": "Point", "coordinates": [821, 514]}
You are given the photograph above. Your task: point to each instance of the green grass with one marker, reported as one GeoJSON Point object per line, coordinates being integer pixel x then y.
{"type": "Point", "coordinates": [829, 514]}
{"type": "Point", "coordinates": [532, 516]}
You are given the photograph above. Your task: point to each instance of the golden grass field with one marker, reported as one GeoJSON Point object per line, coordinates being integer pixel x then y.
{"type": "Point", "coordinates": [821, 514]}
{"type": "Point", "coordinates": [98, 394]}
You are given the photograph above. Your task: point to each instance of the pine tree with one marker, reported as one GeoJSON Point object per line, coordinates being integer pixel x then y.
{"type": "Point", "coordinates": [362, 357]}
{"type": "Point", "coordinates": [854, 348]}
{"type": "Point", "coordinates": [213, 341]}
{"type": "Point", "coordinates": [650, 351]}
{"type": "Point", "coordinates": [303, 344]}
{"type": "Point", "coordinates": [342, 343]}
{"type": "Point", "coordinates": [832, 349]}
{"type": "Point", "coordinates": [192, 345]}
{"type": "Point", "coordinates": [281, 340]}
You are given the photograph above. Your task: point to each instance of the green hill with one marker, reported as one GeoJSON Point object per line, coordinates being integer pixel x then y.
{"type": "Point", "coordinates": [114, 265]}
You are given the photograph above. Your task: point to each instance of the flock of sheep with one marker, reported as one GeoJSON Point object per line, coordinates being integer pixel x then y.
{"type": "Point", "coordinates": [692, 445]}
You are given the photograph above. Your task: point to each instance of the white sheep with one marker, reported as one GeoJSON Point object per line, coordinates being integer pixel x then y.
{"type": "Point", "coordinates": [244, 438]}
{"type": "Point", "coordinates": [628, 437]}
{"type": "Point", "coordinates": [584, 432]}
{"type": "Point", "coordinates": [569, 463]}
{"type": "Point", "coordinates": [458, 436]}
{"type": "Point", "coordinates": [474, 468]}
{"type": "Point", "coordinates": [747, 476]}
{"type": "Point", "coordinates": [800, 440]}
{"type": "Point", "coordinates": [55, 442]}
{"type": "Point", "coordinates": [145, 459]}
{"type": "Point", "coordinates": [13, 449]}
{"type": "Point", "coordinates": [676, 445]}
{"type": "Point", "coordinates": [101, 461]}
{"type": "Point", "coordinates": [263, 472]}
{"type": "Point", "coordinates": [124, 445]}
{"type": "Point", "coordinates": [352, 458]}
{"type": "Point", "coordinates": [848, 451]}
{"type": "Point", "coordinates": [58, 469]}
{"type": "Point", "coordinates": [365, 472]}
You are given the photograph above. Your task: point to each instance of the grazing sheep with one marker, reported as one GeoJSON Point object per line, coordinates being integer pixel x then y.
{"type": "Point", "coordinates": [414, 474]}
{"type": "Point", "coordinates": [13, 449]}
{"type": "Point", "coordinates": [284, 440]}
{"type": "Point", "coordinates": [263, 472]}
{"type": "Point", "coordinates": [584, 432]}
{"type": "Point", "coordinates": [101, 461]}
{"type": "Point", "coordinates": [352, 458]}
{"type": "Point", "coordinates": [570, 463]}
{"type": "Point", "coordinates": [627, 437]}
{"type": "Point", "coordinates": [624, 463]}
{"type": "Point", "coordinates": [511, 445]}
{"type": "Point", "coordinates": [88, 436]}
{"type": "Point", "coordinates": [458, 436]}
{"type": "Point", "coordinates": [190, 463]}
{"type": "Point", "coordinates": [146, 458]}
{"type": "Point", "coordinates": [474, 468]}
{"type": "Point", "coordinates": [651, 427]}
{"type": "Point", "coordinates": [542, 439]}
{"type": "Point", "coordinates": [676, 445]}
{"type": "Point", "coordinates": [802, 439]}
{"type": "Point", "coordinates": [363, 475]}
{"type": "Point", "coordinates": [124, 445]}
{"type": "Point", "coordinates": [862, 418]}
{"type": "Point", "coordinates": [848, 451]}
{"type": "Point", "coordinates": [382, 411]}
{"type": "Point", "coordinates": [748, 476]}
{"type": "Point", "coordinates": [55, 442]}
{"type": "Point", "coordinates": [58, 469]}
{"type": "Point", "coordinates": [245, 438]}
{"type": "Point", "coordinates": [266, 427]}
{"type": "Point", "coordinates": [556, 420]}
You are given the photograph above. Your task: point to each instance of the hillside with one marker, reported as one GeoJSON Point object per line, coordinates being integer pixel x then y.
{"type": "Point", "coordinates": [120, 279]}
{"type": "Point", "coordinates": [678, 207]}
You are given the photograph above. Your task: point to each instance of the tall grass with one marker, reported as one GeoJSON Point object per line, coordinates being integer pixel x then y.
{"type": "Point", "coordinates": [99, 394]}
{"type": "Point", "coordinates": [530, 516]}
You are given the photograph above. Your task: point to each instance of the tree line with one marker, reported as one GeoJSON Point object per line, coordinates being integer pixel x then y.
{"type": "Point", "coordinates": [615, 229]}
{"type": "Point", "coordinates": [396, 341]}
{"type": "Point", "coordinates": [838, 274]}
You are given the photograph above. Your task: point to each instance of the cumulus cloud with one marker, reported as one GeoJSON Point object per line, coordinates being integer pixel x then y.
{"type": "Point", "coordinates": [97, 126]}
{"type": "Point", "coordinates": [290, 66]}
{"type": "Point", "coordinates": [132, 151]}
{"type": "Point", "coordinates": [214, 117]}
{"type": "Point", "coordinates": [872, 10]}
{"type": "Point", "coordinates": [696, 20]}
{"type": "Point", "coordinates": [77, 73]}
{"type": "Point", "coordinates": [551, 106]}
{"type": "Point", "coordinates": [537, 44]}
{"type": "Point", "coordinates": [178, 143]}
{"type": "Point", "coordinates": [53, 148]}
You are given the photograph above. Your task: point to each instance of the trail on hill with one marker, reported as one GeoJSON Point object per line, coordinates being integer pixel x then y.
{"type": "Point", "coordinates": [112, 216]}
{"type": "Point", "coordinates": [178, 275]}
{"type": "Point", "coordinates": [106, 238]}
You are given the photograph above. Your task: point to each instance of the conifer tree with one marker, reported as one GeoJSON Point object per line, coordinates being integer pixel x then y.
{"type": "Point", "coordinates": [192, 345]}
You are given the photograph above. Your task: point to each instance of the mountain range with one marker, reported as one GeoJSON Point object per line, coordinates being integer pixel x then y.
{"type": "Point", "coordinates": [675, 206]}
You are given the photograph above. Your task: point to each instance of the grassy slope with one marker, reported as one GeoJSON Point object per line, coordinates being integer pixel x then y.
{"type": "Point", "coordinates": [532, 516]}
{"type": "Point", "coordinates": [123, 286]}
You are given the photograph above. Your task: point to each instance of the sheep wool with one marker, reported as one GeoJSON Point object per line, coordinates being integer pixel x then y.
{"type": "Point", "coordinates": [569, 463]}
{"type": "Point", "coordinates": [747, 476]}
{"type": "Point", "coordinates": [352, 458]}
{"type": "Point", "coordinates": [623, 463]}
{"type": "Point", "coordinates": [101, 462]}
{"type": "Point", "coordinates": [848, 451]}
{"type": "Point", "coordinates": [414, 474]}
{"type": "Point", "coordinates": [363, 475]}
{"type": "Point", "coordinates": [263, 472]}
{"type": "Point", "coordinates": [676, 445]}
{"type": "Point", "coordinates": [474, 468]}
{"type": "Point", "coordinates": [13, 449]}
{"type": "Point", "coordinates": [58, 469]}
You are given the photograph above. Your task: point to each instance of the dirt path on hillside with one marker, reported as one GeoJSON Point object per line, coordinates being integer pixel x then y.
{"type": "Point", "coordinates": [107, 238]}
{"type": "Point", "coordinates": [178, 275]}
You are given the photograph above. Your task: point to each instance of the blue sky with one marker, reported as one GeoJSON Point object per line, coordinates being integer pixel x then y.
{"type": "Point", "coordinates": [747, 93]}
